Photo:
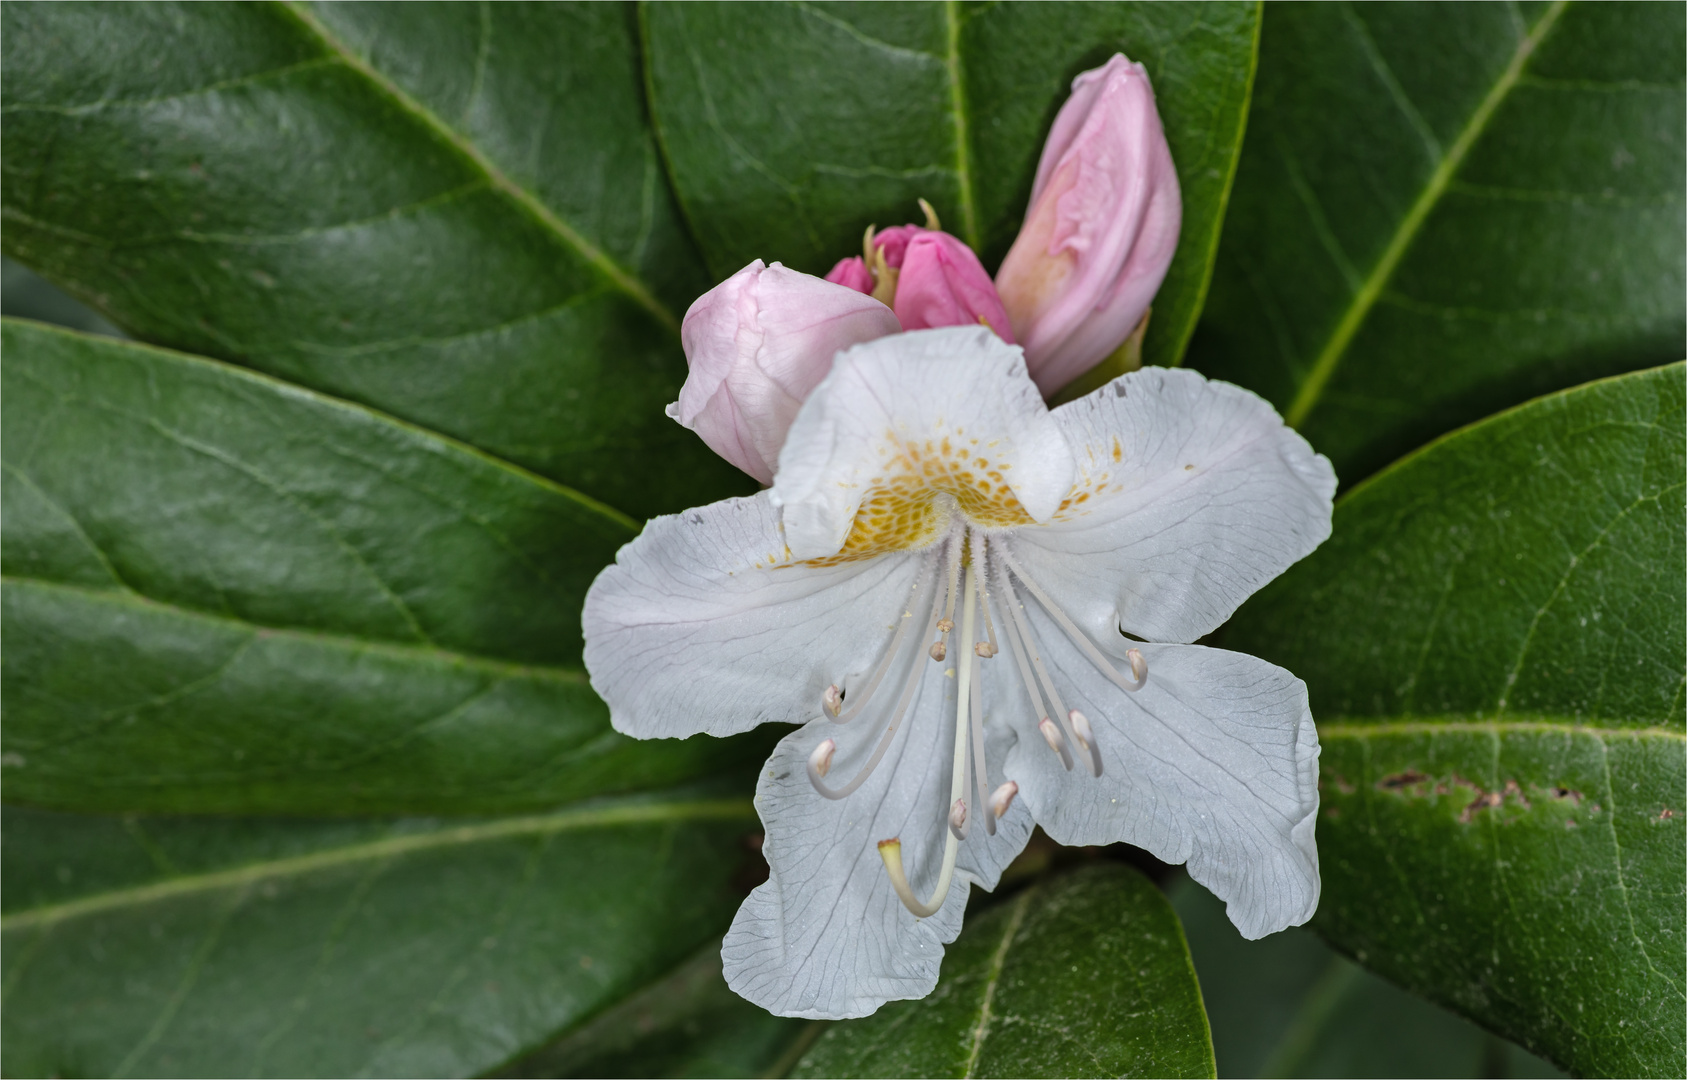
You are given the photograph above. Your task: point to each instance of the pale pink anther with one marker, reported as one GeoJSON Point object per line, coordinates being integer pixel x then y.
{"type": "Point", "coordinates": [1101, 229]}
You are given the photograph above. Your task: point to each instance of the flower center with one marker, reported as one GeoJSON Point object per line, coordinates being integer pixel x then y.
{"type": "Point", "coordinates": [976, 574]}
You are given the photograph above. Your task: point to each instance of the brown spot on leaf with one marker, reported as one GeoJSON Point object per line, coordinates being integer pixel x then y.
{"type": "Point", "coordinates": [1484, 801]}
{"type": "Point", "coordinates": [1401, 780]}
{"type": "Point", "coordinates": [1665, 814]}
{"type": "Point", "coordinates": [1566, 793]}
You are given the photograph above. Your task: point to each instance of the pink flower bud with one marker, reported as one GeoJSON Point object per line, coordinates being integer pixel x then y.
{"type": "Point", "coordinates": [757, 344]}
{"type": "Point", "coordinates": [942, 283]}
{"type": "Point", "coordinates": [1101, 229]}
{"type": "Point", "coordinates": [852, 274]}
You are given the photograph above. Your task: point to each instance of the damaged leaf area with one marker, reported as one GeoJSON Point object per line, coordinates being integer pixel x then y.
{"type": "Point", "coordinates": [1493, 642]}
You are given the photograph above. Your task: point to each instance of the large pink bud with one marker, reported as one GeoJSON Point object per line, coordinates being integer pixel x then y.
{"type": "Point", "coordinates": [1101, 230]}
{"type": "Point", "coordinates": [757, 344]}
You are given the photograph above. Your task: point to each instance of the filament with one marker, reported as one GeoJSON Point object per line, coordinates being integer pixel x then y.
{"type": "Point", "coordinates": [1079, 638]}
{"type": "Point", "coordinates": [866, 695]}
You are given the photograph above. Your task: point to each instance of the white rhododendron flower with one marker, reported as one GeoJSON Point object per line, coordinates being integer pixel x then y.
{"type": "Point", "coordinates": [980, 611]}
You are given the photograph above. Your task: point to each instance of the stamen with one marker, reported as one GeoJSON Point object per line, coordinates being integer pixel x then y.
{"type": "Point", "coordinates": [980, 773]}
{"type": "Point", "coordinates": [1078, 637]}
{"type": "Point", "coordinates": [832, 701]}
{"type": "Point", "coordinates": [891, 852]}
{"type": "Point", "coordinates": [909, 685]}
{"type": "Point", "coordinates": [1002, 798]}
{"type": "Point", "coordinates": [1010, 627]}
{"type": "Point", "coordinates": [1086, 737]}
{"type": "Point", "coordinates": [820, 760]}
{"type": "Point", "coordinates": [958, 819]}
{"type": "Point", "coordinates": [1051, 735]}
{"type": "Point", "coordinates": [1022, 623]}
{"type": "Point", "coordinates": [986, 648]}
{"type": "Point", "coordinates": [866, 694]}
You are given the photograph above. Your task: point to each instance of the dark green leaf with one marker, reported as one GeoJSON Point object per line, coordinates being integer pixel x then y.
{"type": "Point", "coordinates": [424, 209]}
{"type": "Point", "coordinates": [1086, 975]}
{"type": "Point", "coordinates": [223, 593]}
{"type": "Point", "coordinates": [789, 128]}
{"type": "Point", "coordinates": [1493, 639]}
{"type": "Point", "coordinates": [160, 947]}
{"type": "Point", "coordinates": [1445, 209]}
{"type": "Point", "coordinates": [689, 1024]}
{"type": "Point", "coordinates": [1288, 1005]}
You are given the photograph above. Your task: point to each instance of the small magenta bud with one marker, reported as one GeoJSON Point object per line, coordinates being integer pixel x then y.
{"type": "Point", "coordinates": [1101, 228]}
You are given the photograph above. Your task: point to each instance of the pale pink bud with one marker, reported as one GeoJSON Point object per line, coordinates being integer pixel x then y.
{"type": "Point", "coordinates": [757, 344]}
{"type": "Point", "coordinates": [1101, 228]}
{"type": "Point", "coordinates": [852, 274]}
{"type": "Point", "coordinates": [942, 283]}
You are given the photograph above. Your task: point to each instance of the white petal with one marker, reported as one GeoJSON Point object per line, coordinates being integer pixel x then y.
{"type": "Point", "coordinates": [1214, 763]}
{"type": "Point", "coordinates": [889, 396]}
{"type": "Point", "coordinates": [704, 624]}
{"type": "Point", "coordinates": [825, 937]}
{"type": "Point", "coordinates": [1207, 496]}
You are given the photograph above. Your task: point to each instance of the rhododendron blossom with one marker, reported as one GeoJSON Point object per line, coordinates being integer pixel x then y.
{"type": "Point", "coordinates": [980, 611]}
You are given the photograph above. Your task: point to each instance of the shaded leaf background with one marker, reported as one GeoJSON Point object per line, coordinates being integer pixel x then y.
{"type": "Point", "coordinates": [1440, 211]}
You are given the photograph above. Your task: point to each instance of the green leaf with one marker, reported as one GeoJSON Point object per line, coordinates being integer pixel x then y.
{"type": "Point", "coordinates": [160, 947]}
{"type": "Point", "coordinates": [1493, 639]}
{"type": "Point", "coordinates": [223, 593]}
{"type": "Point", "coordinates": [1289, 1005]}
{"type": "Point", "coordinates": [1085, 975]}
{"type": "Point", "coordinates": [419, 210]}
{"type": "Point", "coordinates": [689, 1024]}
{"type": "Point", "coordinates": [1444, 210]}
{"type": "Point", "coordinates": [789, 128]}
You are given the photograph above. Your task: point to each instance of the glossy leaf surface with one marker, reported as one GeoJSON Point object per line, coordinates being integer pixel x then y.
{"type": "Point", "coordinates": [419, 210]}
{"type": "Point", "coordinates": [789, 128]}
{"type": "Point", "coordinates": [1493, 640]}
{"type": "Point", "coordinates": [1443, 210]}
{"type": "Point", "coordinates": [1084, 975]}
{"type": "Point", "coordinates": [172, 947]}
{"type": "Point", "coordinates": [224, 593]}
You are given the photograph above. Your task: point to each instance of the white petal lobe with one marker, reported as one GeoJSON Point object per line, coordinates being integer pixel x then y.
{"type": "Point", "coordinates": [1214, 763]}
{"type": "Point", "coordinates": [1207, 496]}
{"type": "Point", "coordinates": [826, 937]}
{"type": "Point", "coordinates": [704, 624]}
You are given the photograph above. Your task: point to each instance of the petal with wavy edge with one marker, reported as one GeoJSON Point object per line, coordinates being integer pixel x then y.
{"type": "Point", "coordinates": [883, 397]}
{"type": "Point", "coordinates": [1207, 496]}
{"type": "Point", "coordinates": [705, 624]}
{"type": "Point", "coordinates": [825, 937]}
{"type": "Point", "coordinates": [1213, 763]}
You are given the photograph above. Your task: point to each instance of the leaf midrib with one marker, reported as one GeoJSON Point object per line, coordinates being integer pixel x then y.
{"type": "Point", "coordinates": [993, 978]}
{"type": "Point", "coordinates": [1364, 729]}
{"type": "Point", "coordinates": [635, 813]}
{"type": "Point", "coordinates": [542, 214]}
{"type": "Point", "coordinates": [1335, 349]}
{"type": "Point", "coordinates": [416, 654]}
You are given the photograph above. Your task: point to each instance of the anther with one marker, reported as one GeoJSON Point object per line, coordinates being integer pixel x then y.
{"type": "Point", "coordinates": [1086, 736]}
{"type": "Point", "coordinates": [820, 760]}
{"type": "Point", "coordinates": [984, 649]}
{"type": "Point", "coordinates": [832, 702]}
{"type": "Point", "coordinates": [1002, 798]}
{"type": "Point", "coordinates": [939, 650]}
{"type": "Point", "coordinates": [1051, 735]}
{"type": "Point", "coordinates": [1139, 668]}
{"type": "Point", "coordinates": [945, 625]}
{"type": "Point", "coordinates": [958, 819]}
